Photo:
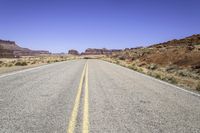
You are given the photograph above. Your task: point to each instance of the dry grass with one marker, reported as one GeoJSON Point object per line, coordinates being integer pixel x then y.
{"type": "Point", "coordinates": [198, 86]}
{"type": "Point", "coordinates": [12, 64]}
{"type": "Point", "coordinates": [24, 61]}
{"type": "Point", "coordinates": [181, 77]}
{"type": "Point", "coordinates": [176, 61]}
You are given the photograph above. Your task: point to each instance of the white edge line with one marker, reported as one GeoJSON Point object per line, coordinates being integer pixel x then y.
{"type": "Point", "coordinates": [161, 81]}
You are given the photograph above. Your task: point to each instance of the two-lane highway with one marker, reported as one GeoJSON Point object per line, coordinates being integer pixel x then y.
{"type": "Point", "coordinates": [93, 96]}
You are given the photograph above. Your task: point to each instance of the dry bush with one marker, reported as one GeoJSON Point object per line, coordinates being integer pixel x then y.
{"type": "Point", "coordinates": [33, 62]}
{"type": "Point", "coordinates": [19, 63]}
{"type": "Point", "coordinates": [152, 66]}
{"type": "Point", "coordinates": [155, 75]}
{"type": "Point", "coordinates": [170, 79]}
{"type": "Point", "coordinates": [198, 86]}
{"type": "Point", "coordinates": [48, 61]}
{"type": "Point", "coordinates": [8, 65]}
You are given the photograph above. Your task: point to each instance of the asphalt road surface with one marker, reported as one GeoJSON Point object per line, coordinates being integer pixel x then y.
{"type": "Point", "coordinates": [94, 96]}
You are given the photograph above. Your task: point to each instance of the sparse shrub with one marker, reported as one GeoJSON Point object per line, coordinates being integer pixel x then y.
{"type": "Point", "coordinates": [9, 65]}
{"type": "Point", "coordinates": [198, 86]}
{"type": "Point", "coordinates": [149, 73]}
{"type": "Point", "coordinates": [140, 70]}
{"type": "Point", "coordinates": [56, 60]}
{"type": "Point", "coordinates": [153, 74]}
{"type": "Point", "coordinates": [21, 63]}
{"type": "Point", "coordinates": [122, 58]}
{"type": "Point", "coordinates": [117, 62]}
{"type": "Point", "coordinates": [152, 67]}
{"type": "Point", "coordinates": [87, 58]}
{"type": "Point", "coordinates": [171, 80]}
{"type": "Point", "coordinates": [34, 62]}
{"type": "Point", "coordinates": [1, 62]}
{"type": "Point", "coordinates": [182, 73]}
{"type": "Point", "coordinates": [158, 76]}
{"type": "Point", "coordinates": [24, 63]}
{"type": "Point", "coordinates": [141, 64]}
{"type": "Point", "coordinates": [133, 67]}
{"type": "Point", "coordinates": [171, 68]}
{"type": "Point", "coordinates": [48, 61]}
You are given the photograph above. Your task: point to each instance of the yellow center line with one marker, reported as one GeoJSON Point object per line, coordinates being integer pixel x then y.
{"type": "Point", "coordinates": [86, 105]}
{"type": "Point", "coordinates": [72, 122]}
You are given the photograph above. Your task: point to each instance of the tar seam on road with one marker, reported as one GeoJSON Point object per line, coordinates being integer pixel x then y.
{"type": "Point", "coordinates": [73, 118]}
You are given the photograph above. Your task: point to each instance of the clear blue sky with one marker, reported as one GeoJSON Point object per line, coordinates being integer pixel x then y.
{"type": "Point", "coordinates": [59, 25]}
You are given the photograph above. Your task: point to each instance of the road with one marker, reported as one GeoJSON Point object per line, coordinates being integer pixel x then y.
{"type": "Point", "coordinates": [93, 96]}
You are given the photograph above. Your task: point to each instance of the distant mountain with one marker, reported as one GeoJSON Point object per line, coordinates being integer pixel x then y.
{"type": "Point", "coordinates": [11, 49]}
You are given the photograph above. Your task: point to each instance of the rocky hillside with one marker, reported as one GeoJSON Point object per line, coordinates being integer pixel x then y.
{"type": "Point", "coordinates": [11, 49]}
{"type": "Point", "coordinates": [176, 61]}
{"type": "Point", "coordinates": [188, 41]}
{"type": "Point", "coordinates": [183, 53]}
{"type": "Point", "coordinates": [103, 51]}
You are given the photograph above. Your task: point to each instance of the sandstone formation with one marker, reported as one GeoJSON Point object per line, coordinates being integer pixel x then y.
{"type": "Point", "coordinates": [73, 52]}
{"type": "Point", "coordinates": [10, 49]}
{"type": "Point", "coordinates": [91, 51]}
{"type": "Point", "coordinates": [183, 53]}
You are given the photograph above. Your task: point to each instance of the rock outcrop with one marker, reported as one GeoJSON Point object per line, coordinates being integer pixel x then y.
{"type": "Point", "coordinates": [91, 51]}
{"type": "Point", "coordinates": [73, 52]}
{"type": "Point", "coordinates": [11, 49]}
{"type": "Point", "coordinates": [184, 53]}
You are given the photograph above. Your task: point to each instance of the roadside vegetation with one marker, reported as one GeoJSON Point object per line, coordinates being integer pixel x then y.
{"type": "Point", "coordinates": [176, 61]}
{"type": "Point", "coordinates": [30, 61]}
{"type": "Point", "coordinates": [198, 86]}
{"type": "Point", "coordinates": [183, 77]}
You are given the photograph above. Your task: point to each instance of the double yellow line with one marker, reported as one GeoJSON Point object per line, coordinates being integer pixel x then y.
{"type": "Point", "coordinates": [73, 118]}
